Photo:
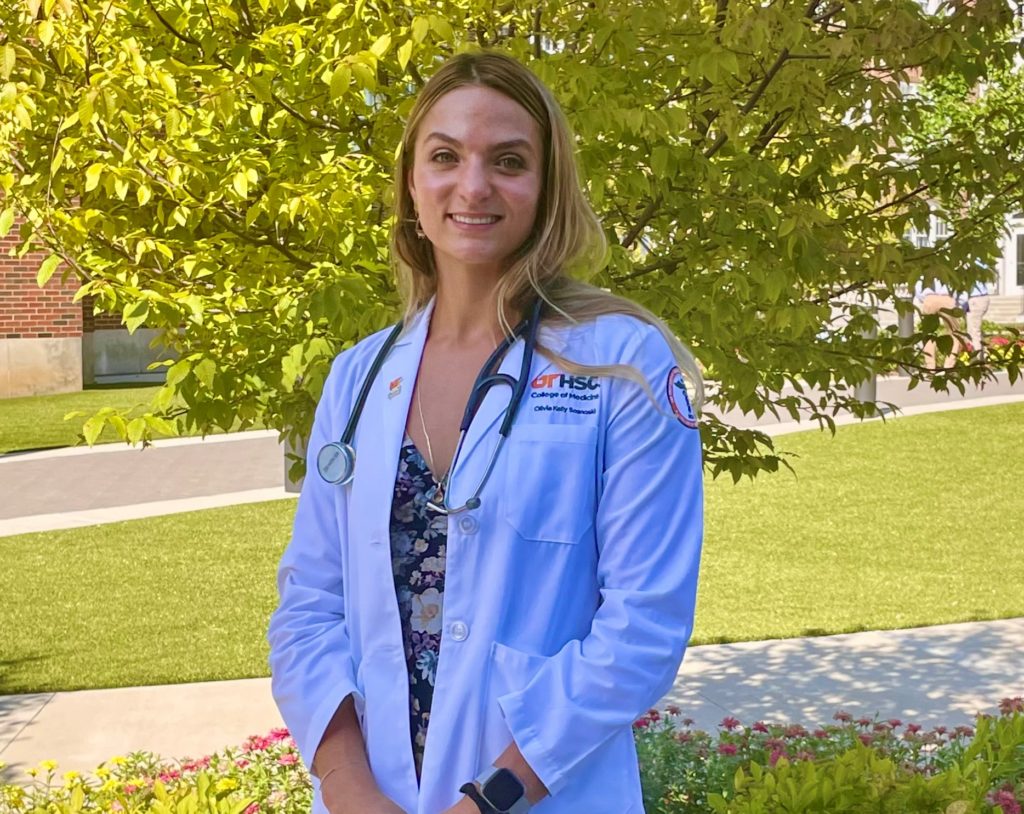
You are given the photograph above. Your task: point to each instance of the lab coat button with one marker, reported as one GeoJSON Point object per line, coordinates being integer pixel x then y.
{"type": "Point", "coordinates": [468, 524]}
{"type": "Point", "coordinates": [459, 631]}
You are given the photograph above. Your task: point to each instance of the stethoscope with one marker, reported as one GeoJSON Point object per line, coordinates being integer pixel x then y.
{"type": "Point", "coordinates": [336, 461]}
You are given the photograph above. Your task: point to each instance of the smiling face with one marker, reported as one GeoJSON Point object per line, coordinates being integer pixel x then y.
{"type": "Point", "coordinates": [476, 178]}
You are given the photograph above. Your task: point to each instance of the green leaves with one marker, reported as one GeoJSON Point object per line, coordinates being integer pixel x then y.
{"type": "Point", "coordinates": [8, 58]}
{"type": "Point", "coordinates": [46, 270]}
{"type": "Point", "coordinates": [6, 221]}
{"type": "Point", "coordinates": [225, 178]}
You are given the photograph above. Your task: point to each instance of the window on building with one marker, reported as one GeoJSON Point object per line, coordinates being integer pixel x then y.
{"type": "Point", "coordinates": [1020, 259]}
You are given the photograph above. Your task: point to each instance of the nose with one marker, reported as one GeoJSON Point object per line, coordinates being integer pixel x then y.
{"type": "Point", "coordinates": [474, 180]}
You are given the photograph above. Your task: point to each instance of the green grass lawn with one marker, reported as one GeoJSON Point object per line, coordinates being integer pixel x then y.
{"type": "Point", "coordinates": [37, 422]}
{"type": "Point", "coordinates": [913, 522]}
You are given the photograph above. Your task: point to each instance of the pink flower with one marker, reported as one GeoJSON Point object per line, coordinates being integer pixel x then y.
{"type": "Point", "coordinates": [130, 788]}
{"type": "Point", "coordinates": [775, 756]}
{"type": "Point", "coordinates": [279, 734]}
{"type": "Point", "coordinates": [760, 726]}
{"type": "Point", "coordinates": [684, 737]}
{"type": "Point", "coordinates": [653, 714]}
{"type": "Point", "coordinates": [1006, 801]}
{"type": "Point", "coordinates": [687, 722]}
{"type": "Point", "coordinates": [252, 808]}
{"type": "Point", "coordinates": [845, 717]}
{"type": "Point", "coordinates": [866, 738]}
{"type": "Point", "coordinates": [940, 730]}
{"type": "Point", "coordinates": [864, 722]}
{"type": "Point", "coordinates": [795, 731]}
{"type": "Point", "coordinates": [727, 748]}
{"type": "Point", "coordinates": [641, 723]}
{"type": "Point", "coordinates": [895, 723]}
{"type": "Point", "coordinates": [965, 731]}
{"type": "Point", "coordinates": [820, 734]}
{"type": "Point", "coordinates": [672, 709]}
{"type": "Point", "coordinates": [729, 723]}
{"type": "Point", "coordinates": [913, 729]}
{"type": "Point", "coordinates": [804, 755]}
{"type": "Point", "coordinates": [1010, 705]}
{"type": "Point", "coordinates": [288, 760]}
{"type": "Point", "coordinates": [241, 763]}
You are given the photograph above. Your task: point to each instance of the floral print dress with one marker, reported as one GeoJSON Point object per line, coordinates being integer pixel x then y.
{"type": "Point", "coordinates": [419, 537]}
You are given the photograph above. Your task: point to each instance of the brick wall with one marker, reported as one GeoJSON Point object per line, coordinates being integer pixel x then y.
{"type": "Point", "coordinates": [30, 312]}
{"type": "Point", "coordinates": [97, 322]}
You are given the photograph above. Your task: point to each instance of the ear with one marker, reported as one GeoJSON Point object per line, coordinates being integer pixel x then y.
{"type": "Point", "coordinates": [411, 186]}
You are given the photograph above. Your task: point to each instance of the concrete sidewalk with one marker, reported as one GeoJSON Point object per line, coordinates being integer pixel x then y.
{"type": "Point", "coordinates": [935, 675]}
{"type": "Point", "coordinates": [79, 486]}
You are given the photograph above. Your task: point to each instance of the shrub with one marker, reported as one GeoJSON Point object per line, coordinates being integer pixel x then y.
{"type": "Point", "coordinates": [264, 776]}
{"type": "Point", "coordinates": [851, 766]}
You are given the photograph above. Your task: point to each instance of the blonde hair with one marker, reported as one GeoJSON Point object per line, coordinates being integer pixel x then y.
{"type": "Point", "coordinates": [566, 237]}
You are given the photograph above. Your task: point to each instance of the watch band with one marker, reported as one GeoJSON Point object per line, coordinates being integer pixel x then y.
{"type": "Point", "coordinates": [470, 790]}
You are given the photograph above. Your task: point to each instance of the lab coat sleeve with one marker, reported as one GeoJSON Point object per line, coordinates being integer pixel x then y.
{"type": "Point", "coordinates": [311, 663]}
{"type": "Point", "coordinates": [649, 528]}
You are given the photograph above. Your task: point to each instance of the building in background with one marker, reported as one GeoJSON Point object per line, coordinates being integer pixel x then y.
{"type": "Point", "coordinates": [49, 343]}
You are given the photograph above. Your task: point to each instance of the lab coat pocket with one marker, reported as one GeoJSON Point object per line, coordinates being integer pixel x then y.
{"type": "Point", "coordinates": [551, 481]}
{"type": "Point", "coordinates": [510, 671]}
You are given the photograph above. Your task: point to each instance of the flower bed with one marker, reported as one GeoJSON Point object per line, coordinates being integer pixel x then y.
{"type": "Point", "coordinates": [263, 776]}
{"type": "Point", "coordinates": [849, 766]}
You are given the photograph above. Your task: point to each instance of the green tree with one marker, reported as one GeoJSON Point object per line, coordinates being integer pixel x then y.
{"type": "Point", "coordinates": [220, 169]}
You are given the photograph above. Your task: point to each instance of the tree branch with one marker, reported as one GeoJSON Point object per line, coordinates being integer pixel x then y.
{"type": "Point", "coordinates": [537, 50]}
{"type": "Point", "coordinates": [649, 212]}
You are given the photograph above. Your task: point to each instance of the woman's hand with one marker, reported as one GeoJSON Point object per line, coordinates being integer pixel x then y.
{"type": "Point", "coordinates": [341, 800]}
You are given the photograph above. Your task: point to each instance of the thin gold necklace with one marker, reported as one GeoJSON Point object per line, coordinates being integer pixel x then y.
{"type": "Point", "coordinates": [426, 435]}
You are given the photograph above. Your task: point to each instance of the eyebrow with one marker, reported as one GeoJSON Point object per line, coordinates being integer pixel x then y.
{"type": "Point", "coordinates": [502, 145]}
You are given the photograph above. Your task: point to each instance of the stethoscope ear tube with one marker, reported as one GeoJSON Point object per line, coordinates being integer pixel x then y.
{"type": "Point", "coordinates": [336, 462]}
{"type": "Point", "coordinates": [364, 391]}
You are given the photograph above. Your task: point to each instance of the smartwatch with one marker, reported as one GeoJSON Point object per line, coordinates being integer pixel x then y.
{"type": "Point", "coordinates": [500, 791]}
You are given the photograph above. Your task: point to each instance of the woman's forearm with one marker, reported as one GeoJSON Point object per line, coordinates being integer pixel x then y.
{"type": "Point", "coordinates": [340, 762]}
{"type": "Point", "coordinates": [513, 760]}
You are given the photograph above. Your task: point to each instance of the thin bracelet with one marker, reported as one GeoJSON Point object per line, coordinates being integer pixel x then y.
{"type": "Point", "coordinates": [328, 774]}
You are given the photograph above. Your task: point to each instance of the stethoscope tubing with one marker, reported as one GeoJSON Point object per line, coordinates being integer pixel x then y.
{"type": "Point", "coordinates": [336, 460]}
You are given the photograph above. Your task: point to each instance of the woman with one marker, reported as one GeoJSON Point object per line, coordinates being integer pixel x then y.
{"type": "Point", "coordinates": [494, 657]}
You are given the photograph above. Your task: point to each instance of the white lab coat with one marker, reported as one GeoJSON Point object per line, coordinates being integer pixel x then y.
{"type": "Point", "coordinates": [569, 593]}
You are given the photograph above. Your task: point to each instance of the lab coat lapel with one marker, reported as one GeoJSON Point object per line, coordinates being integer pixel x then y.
{"type": "Point", "coordinates": [382, 426]}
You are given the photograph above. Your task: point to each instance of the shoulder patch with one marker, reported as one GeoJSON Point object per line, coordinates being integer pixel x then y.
{"type": "Point", "coordinates": [679, 399]}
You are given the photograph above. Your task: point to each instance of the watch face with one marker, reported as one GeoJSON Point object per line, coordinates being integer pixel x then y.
{"type": "Point", "coordinates": [503, 790]}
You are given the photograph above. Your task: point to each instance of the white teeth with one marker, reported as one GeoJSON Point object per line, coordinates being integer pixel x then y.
{"type": "Point", "coordinates": [479, 221]}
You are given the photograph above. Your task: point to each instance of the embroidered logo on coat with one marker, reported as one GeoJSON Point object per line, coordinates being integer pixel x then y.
{"type": "Point", "coordinates": [679, 399]}
{"type": "Point", "coordinates": [564, 393]}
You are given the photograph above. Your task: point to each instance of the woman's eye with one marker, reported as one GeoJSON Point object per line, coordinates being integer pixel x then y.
{"type": "Point", "coordinates": [443, 157]}
{"type": "Point", "coordinates": [511, 162]}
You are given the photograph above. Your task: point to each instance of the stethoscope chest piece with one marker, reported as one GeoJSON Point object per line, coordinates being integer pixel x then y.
{"type": "Point", "coordinates": [336, 462]}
